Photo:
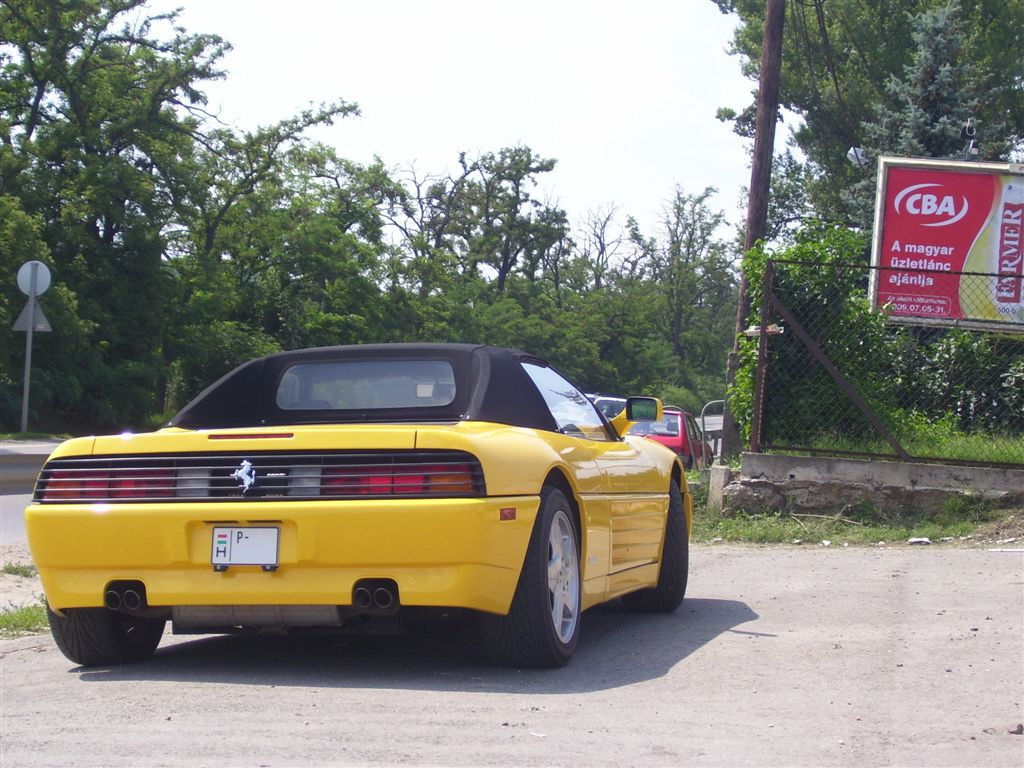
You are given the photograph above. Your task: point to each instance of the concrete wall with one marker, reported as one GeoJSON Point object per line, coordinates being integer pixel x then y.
{"type": "Point", "coordinates": [825, 484]}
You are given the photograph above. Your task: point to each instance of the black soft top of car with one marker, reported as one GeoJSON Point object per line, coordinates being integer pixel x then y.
{"type": "Point", "coordinates": [490, 385]}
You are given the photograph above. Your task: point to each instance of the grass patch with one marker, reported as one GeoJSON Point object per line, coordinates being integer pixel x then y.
{"type": "Point", "coordinates": [960, 517]}
{"type": "Point", "coordinates": [31, 436]}
{"type": "Point", "coordinates": [923, 436]}
{"type": "Point", "coordinates": [27, 620]}
{"type": "Point", "coordinates": [19, 569]}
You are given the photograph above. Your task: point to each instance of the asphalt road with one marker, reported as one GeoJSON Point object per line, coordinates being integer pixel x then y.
{"type": "Point", "coordinates": [782, 656]}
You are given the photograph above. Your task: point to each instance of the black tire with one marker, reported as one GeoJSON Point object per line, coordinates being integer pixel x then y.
{"type": "Point", "coordinates": [549, 584]}
{"type": "Point", "coordinates": [675, 564]}
{"type": "Point", "coordinates": [99, 637]}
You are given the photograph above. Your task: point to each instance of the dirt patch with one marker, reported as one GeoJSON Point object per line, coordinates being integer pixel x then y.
{"type": "Point", "coordinates": [17, 591]}
{"type": "Point", "coordinates": [1010, 527]}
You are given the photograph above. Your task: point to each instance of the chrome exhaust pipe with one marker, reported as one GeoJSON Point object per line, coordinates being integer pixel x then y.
{"type": "Point", "coordinates": [382, 597]}
{"type": "Point", "coordinates": [132, 600]}
{"type": "Point", "coordinates": [112, 599]}
{"type": "Point", "coordinates": [361, 598]}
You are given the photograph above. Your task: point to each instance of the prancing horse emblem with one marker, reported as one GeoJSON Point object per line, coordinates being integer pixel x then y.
{"type": "Point", "coordinates": [246, 476]}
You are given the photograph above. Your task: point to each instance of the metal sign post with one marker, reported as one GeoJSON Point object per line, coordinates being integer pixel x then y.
{"type": "Point", "coordinates": [33, 279]}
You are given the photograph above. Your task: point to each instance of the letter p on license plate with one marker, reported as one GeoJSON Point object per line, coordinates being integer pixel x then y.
{"type": "Point", "coordinates": [244, 546]}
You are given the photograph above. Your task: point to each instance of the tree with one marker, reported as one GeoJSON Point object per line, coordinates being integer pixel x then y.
{"type": "Point", "coordinates": [464, 238]}
{"type": "Point", "coordinates": [600, 242]}
{"type": "Point", "coordinates": [503, 226]}
{"type": "Point", "coordinates": [20, 241]}
{"type": "Point", "coordinates": [927, 106]}
{"type": "Point", "coordinates": [115, 158]}
{"type": "Point", "coordinates": [692, 287]}
{"type": "Point", "coordinates": [181, 248]}
{"type": "Point", "coordinates": [838, 58]}
{"type": "Point", "coordinates": [88, 106]}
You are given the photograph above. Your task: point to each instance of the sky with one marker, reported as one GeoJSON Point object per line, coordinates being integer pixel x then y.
{"type": "Point", "coordinates": [621, 94]}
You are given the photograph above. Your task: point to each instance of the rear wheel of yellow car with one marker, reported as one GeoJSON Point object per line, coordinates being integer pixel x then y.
{"type": "Point", "coordinates": [542, 626]}
{"type": "Point", "coordinates": [100, 637]}
{"type": "Point", "coordinates": [668, 594]}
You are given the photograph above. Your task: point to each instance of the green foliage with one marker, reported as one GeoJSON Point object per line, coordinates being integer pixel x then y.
{"type": "Point", "coordinates": [181, 248]}
{"type": "Point", "coordinates": [210, 352]}
{"type": "Point", "coordinates": [824, 299]}
{"type": "Point", "coordinates": [926, 106]}
{"type": "Point", "coordinates": [19, 569]}
{"type": "Point", "coordinates": [103, 108]}
{"type": "Point", "coordinates": [934, 97]}
{"type": "Point", "coordinates": [913, 69]}
{"type": "Point", "coordinates": [681, 397]}
{"type": "Point", "coordinates": [20, 241]}
{"type": "Point", "coordinates": [942, 393]}
{"type": "Point", "coordinates": [964, 516]}
{"type": "Point", "coordinates": [26, 620]}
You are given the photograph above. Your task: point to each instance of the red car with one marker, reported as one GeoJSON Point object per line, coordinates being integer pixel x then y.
{"type": "Point", "coordinates": [679, 431]}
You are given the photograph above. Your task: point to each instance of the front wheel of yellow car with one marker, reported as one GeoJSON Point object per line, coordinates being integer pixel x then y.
{"type": "Point", "coordinates": [542, 625]}
{"type": "Point", "coordinates": [100, 637]}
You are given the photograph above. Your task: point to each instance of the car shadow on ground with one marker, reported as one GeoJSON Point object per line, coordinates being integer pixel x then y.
{"type": "Point", "coordinates": [616, 648]}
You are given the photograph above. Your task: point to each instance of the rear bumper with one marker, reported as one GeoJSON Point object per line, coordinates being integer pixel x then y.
{"type": "Point", "coordinates": [455, 553]}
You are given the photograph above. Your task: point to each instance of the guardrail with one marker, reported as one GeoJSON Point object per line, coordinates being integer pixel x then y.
{"type": "Point", "coordinates": [20, 465]}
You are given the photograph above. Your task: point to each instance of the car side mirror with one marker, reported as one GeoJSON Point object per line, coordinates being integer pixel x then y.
{"type": "Point", "coordinates": [637, 409]}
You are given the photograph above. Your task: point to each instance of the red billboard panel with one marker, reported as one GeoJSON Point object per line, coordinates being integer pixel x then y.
{"type": "Point", "coordinates": [948, 243]}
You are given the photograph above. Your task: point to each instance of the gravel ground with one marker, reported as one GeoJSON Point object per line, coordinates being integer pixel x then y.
{"type": "Point", "coordinates": [17, 591]}
{"type": "Point", "coordinates": [780, 656]}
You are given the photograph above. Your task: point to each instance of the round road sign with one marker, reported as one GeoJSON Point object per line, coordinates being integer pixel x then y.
{"type": "Point", "coordinates": [33, 282]}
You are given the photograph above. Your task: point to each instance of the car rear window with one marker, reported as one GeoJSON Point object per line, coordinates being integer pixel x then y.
{"type": "Point", "coordinates": [366, 384]}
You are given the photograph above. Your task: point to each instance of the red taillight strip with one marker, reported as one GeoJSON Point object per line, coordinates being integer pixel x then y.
{"type": "Point", "coordinates": [399, 480]}
{"type": "Point", "coordinates": [98, 484]}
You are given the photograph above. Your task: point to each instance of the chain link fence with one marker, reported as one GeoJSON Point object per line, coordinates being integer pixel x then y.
{"type": "Point", "coordinates": [833, 376]}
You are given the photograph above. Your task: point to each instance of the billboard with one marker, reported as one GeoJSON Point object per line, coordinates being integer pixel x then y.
{"type": "Point", "coordinates": [948, 243]}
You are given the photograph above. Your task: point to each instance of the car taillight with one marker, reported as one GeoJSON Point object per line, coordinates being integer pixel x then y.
{"type": "Point", "coordinates": [449, 478]}
{"type": "Point", "coordinates": [97, 484]}
{"type": "Point", "coordinates": [410, 480]}
{"type": "Point", "coordinates": [415, 479]}
{"type": "Point", "coordinates": [67, 484]}
{"type": "Point", "coordinates": [141, 483]}
{"type": "Point", "coordinates": [343, 481]}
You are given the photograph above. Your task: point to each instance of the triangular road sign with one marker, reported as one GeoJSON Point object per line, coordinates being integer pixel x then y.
{"type": "Point", "coordinates": [39, 322]}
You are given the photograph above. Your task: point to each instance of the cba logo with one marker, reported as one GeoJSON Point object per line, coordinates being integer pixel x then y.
{"type": "Point", "coordinates": [939, 210]}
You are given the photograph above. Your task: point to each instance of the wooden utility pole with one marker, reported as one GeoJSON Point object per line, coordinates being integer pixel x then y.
{"type": "Point", "coordinates": [760, 183]}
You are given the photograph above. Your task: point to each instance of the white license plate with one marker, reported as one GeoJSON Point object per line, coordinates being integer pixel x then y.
{"type": "Point", "coordinates": [244, 546]}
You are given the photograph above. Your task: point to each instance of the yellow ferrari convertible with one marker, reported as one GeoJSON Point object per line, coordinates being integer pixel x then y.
{"type": "Point", "coordinates": [363, 488]}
